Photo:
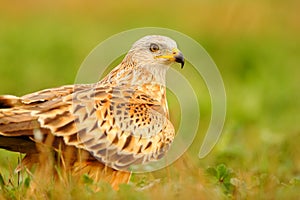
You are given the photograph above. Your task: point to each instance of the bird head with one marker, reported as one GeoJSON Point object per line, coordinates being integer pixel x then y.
{"type": "Point", "coordinates": [147, 61]}
{"type": "Point", "coordinates": [156, 50]}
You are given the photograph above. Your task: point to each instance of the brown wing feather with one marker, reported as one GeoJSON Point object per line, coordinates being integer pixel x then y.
{"type": "Point", "coordinates": [111, 117]}
{"type": "Point", "coordinates": [48, 113]}
{"type": "Point", "coordinates": [118, 128]}
{"type": "Point", "coordinates": [47, 94]}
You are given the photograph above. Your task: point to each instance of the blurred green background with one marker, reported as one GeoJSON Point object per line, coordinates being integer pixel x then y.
{"type": "Point", "coordinates": [255, 44]}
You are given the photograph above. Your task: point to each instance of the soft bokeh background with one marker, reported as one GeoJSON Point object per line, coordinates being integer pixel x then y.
{"type": "Point", "coordinates": [255, 44]}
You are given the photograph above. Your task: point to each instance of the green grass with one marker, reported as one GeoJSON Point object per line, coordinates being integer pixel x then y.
{"type": "Point", "coordinates": [255, 44]}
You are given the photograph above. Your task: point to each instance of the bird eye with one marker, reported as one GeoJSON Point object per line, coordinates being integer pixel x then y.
{"type": "Point", "coordinates": [154, 47]}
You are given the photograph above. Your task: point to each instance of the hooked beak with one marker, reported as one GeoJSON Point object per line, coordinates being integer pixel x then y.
{"type": "Point", "coordinates": [176, 56]}
{"type": "Point", "coordinates": [179, 58]}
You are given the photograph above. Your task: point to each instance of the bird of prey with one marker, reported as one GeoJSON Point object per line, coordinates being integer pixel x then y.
{"type": "Point", "coordinates": [100, 129]}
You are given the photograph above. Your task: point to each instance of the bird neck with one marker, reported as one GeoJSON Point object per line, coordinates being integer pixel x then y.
{"type": "Point", "coordinates": [132, 74]}
{"type": "Point", "coordinates": [147, 74]}
{"type": "Point", "coordinates": [151, 80]}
